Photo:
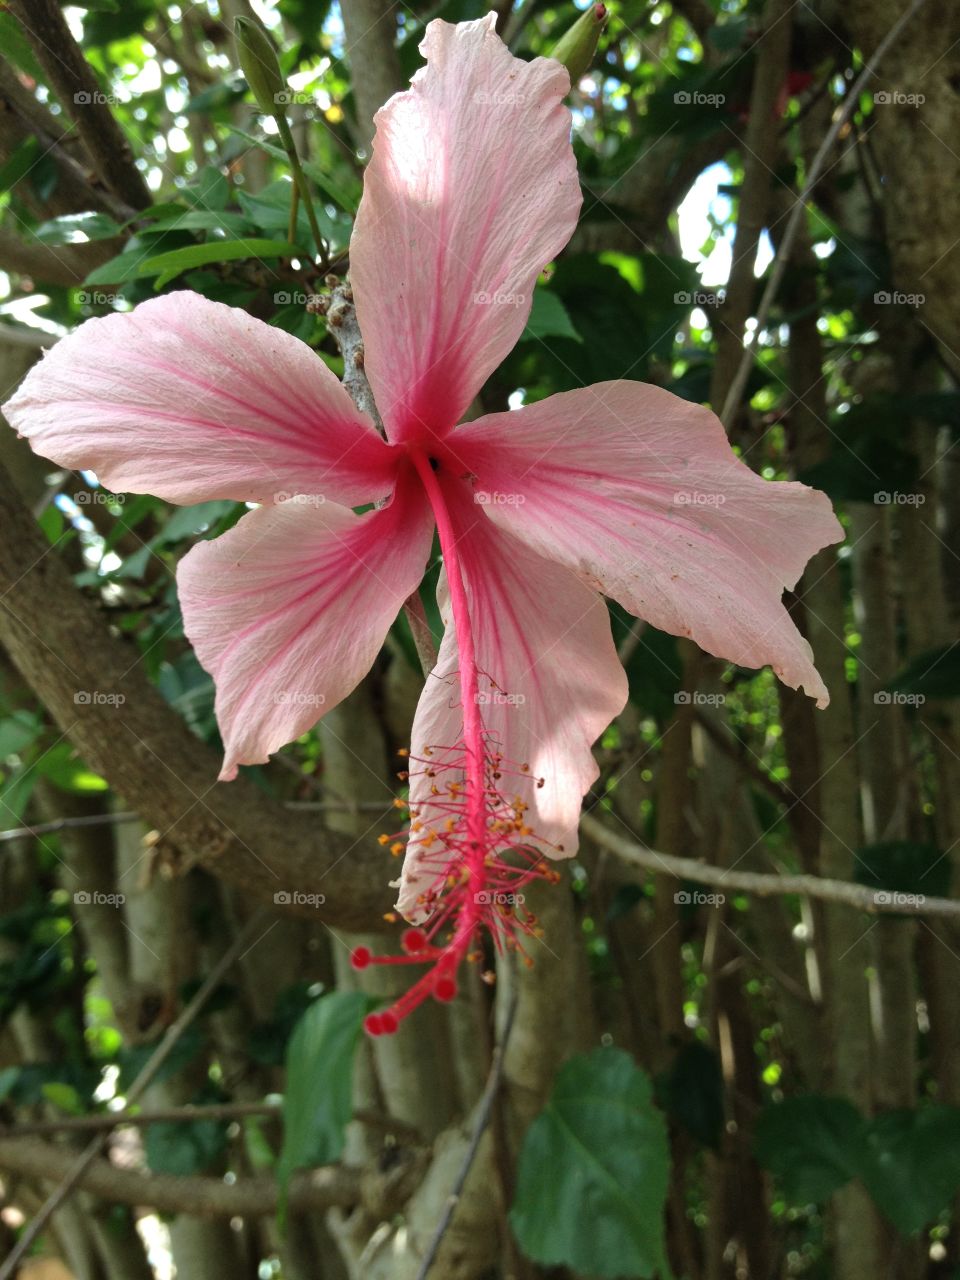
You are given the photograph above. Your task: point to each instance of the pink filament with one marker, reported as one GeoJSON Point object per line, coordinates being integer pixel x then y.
{"type": "Point", "coordinates": [474, 887]}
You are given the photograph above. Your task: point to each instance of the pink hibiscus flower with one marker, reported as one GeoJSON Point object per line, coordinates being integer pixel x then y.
{"type": "Point", "coordinates": [618, 488]}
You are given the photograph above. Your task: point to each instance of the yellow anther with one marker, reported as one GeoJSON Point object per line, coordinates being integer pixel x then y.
{"type": "Point", "coordinates": [396, 848]}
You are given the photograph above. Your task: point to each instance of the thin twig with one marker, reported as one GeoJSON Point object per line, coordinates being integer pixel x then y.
{"type": "Point", "coordinates": [225, 1111]}
{"type": "Point", "coordinates": [122, 816]}
{"type": "Point", "coordinates": [797, 212]}
{"type": "Point", "coordinates": [149, 1072]}
{"type": "Point", "coordinates": [481, 1120]}
{"type": "Point", "coordinates": [876, 901]}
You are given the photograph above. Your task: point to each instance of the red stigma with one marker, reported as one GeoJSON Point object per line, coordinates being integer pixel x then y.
{"type": "Point", "coordinates": [478, 855]}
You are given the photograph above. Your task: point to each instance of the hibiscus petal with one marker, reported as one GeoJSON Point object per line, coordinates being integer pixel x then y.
{"type": "Point", "coordinates": [550, 684]}
{"type": "Point", "coordinates": [189, 399]}
{"type": "Point", "coordinates": [472, 189]}
{"type": "Point", "coordinates": [288, 610]}
{"type": "Point", "coordinates": [640, 493]}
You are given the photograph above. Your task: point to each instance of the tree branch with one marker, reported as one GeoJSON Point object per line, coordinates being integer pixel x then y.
{"type": "Point", "coordinates": [72, 79]}
{"type": "Point", "coordinates": [65, 651]}
{"type": "Point", "coordinates": [862, 897]}
{"type": "Point", "coordinates": [370, 27]}
{"type": "Point", "coordinates": [759, 156]}
{"type": "Point", "coordinates": [65, 264]}
{"type": "Point", "coordinates": [782, 258]}
{"type": "Point", "coordinates": [23, 117]}
{"type": "Point", "coordinates": [313, 1190]}
{"type": "Point", "coordinates": [480, 1121]}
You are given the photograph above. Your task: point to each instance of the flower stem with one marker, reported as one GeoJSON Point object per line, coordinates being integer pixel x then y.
{"type": "Point", "coordinates": [300, 178]}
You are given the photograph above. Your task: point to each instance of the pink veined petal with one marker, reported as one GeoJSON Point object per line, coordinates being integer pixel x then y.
{"type": "Point", "coordinates": [189, 399]}
{"type": "Point", "coordinates": [288, 610]}
{"type": "Point", "coordinates": [640, 493]}
{"type": "Point", "coordinates": [550, 684]}
{"type": "Point", "coordinates": [471, 191]}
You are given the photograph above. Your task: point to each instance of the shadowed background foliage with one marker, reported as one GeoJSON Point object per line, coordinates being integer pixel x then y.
{"type": "Point", "coordinates": [702, 1078]}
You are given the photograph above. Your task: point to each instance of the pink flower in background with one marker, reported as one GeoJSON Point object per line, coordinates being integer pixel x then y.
{"type": "Point", "coordinates": [619, 488]}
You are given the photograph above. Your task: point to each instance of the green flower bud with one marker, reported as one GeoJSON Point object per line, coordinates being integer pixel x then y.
{"type": "Point", "coordinates": [258, 61]}
{"type": "Point", "coordinates": [575, 49]}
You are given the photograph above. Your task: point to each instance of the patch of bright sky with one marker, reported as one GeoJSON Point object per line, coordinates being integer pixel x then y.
{"type": "Point", "coordinates": [703, 199]}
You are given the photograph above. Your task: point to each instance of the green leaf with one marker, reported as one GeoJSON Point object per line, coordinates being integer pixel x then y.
{"type": "Point", "coordinates": [183, 1054]}
{"type": "Point", "coordinates": [909, 1164]}
{"type": "Point", "coordinates": [20, 163]}
{"type": "Point", "coordinates": [209, 190]}
{"type": "Point", "coordinates": [184, 1148]}
{"type": "Point", "coordinates": [18, 731]}
{"type": "Point", "coordinates": [270, 148]}
{"type": "Point", "coordinates": [15, 794]}
{"type": "Point", "coordinates": [904, 867]}
{"type": "Point", "coordinates": [654, 668]}
{"type": "Point", "coordinates": [61, 766]}
{"type": "Point", "coordinates": [810, 1144]}
{"type": "Point", "coordinates": [15, 47]}
{"type": "Point", "coordinates": [269, 211]}
{"type": "Point", "coordinates": [933, 674]}
{"type": "Point", "coordinates": [167, 266]}
{"type": "Point", "coordinates": [317, 1104]}
{"type": "Point", "coordinates": [691, 1091]}
{"type": "Point", "coordinates": [593, 1172]}
{"type": "Point", "coordinates": [63, 1096]}
{"type": "Point", "coordinates": [548, 318]}
{"type": "Point", "coordinates": [125, 266]}
{"type": "Point", "coordinates": [345, 197]}
{"type": "Point", "coordinates": [74, 228]}
{"type": "Point", "coordinates": [9, 1077]}
{"type": "Point", "coordinates": [235, 224]}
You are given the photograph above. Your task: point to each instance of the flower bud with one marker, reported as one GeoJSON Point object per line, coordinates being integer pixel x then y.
{"type": "Point", "coordinates": [258, 61]}
{"type": "Point", "coordinates": [575, 49]}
